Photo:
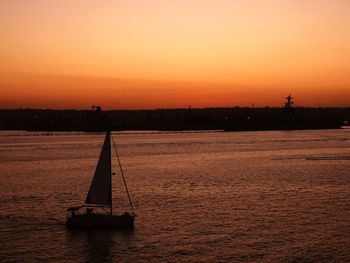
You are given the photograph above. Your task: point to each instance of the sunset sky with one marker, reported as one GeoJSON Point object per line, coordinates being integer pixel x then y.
{"type": "Point", "coordinates": [135, 54]}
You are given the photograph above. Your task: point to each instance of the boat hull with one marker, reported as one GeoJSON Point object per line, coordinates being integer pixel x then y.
{"type": "Point", "coordinates": [86, 221]}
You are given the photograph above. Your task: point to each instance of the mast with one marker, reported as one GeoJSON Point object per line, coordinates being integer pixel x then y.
{"type": "Point", "coordinates": [110, 172]}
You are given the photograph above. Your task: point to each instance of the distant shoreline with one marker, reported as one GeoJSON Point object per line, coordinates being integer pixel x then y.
{"type": "Point", "coordinates": [175, 120]}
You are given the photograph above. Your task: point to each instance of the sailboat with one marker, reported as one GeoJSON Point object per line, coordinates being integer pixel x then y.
{"type": "Point", "coordinates": [97, 212]}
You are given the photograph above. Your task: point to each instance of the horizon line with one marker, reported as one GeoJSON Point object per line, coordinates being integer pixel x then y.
{"type": "Point", "coordinates": [177, 108]}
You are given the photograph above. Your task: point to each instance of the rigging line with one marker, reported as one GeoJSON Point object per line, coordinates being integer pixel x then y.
{"type": "Point", "coordinates": [122, 172]}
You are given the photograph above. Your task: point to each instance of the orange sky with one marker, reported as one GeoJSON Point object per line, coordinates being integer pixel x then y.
{"type": "Point", "coordinates": [159, 53]}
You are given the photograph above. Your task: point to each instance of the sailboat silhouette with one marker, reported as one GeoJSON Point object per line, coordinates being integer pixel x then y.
{"type": "Point", "coordinates": [100, 197]}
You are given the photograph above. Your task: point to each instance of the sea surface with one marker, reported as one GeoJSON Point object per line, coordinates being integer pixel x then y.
{"type": "Point", "coordinates": [279, 196]}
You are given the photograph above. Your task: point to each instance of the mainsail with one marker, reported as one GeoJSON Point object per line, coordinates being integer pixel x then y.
{"type": "Point", "coordinates": [100, 188]}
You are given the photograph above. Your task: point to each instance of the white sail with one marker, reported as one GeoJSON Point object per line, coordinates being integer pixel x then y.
{"type": "Point", "coordinates": [100, 188]}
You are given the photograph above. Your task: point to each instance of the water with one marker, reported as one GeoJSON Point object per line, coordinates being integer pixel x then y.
{"type": "Point", "coordinates": [227, 197]}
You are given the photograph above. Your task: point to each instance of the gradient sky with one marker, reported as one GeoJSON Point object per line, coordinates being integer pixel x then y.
{"type": "Point", "coordinates": [173, 53]}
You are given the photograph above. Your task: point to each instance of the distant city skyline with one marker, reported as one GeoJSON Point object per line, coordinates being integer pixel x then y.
{"type": "Point", "coordinates": [171, 54]}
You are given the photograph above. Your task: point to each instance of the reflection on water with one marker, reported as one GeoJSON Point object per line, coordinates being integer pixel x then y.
{"type": "Point", "coordinates": [98, 245]}
{"type": "Point", "coordinates": [230, 197]}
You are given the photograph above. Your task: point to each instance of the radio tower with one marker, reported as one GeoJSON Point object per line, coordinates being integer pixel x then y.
{"type": "Point", "coordinates": [289, 110]}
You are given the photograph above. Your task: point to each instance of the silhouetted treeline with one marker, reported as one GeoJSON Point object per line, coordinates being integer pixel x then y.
{"type": "Point", "coordinates": [173, 119]}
